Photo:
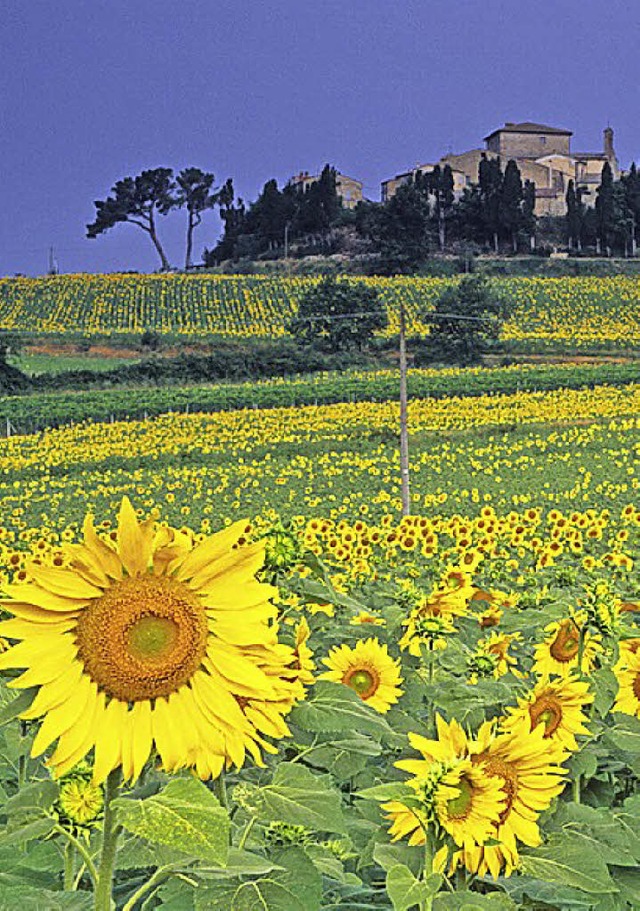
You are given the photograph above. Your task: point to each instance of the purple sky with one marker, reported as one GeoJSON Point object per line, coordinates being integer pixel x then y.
{"type": "Point", "coordinates": [93, 90]}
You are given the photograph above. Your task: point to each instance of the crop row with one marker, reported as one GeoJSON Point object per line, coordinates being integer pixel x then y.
{"type": "Point", "coordinates": [580, 311]}
{"type": "Point", "coordinates": [27, 414]}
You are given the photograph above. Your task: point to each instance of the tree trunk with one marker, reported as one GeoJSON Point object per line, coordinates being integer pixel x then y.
{"type": "Point", "coordinates": [514, 241]}
{"type": "Point", "coordinates": [598, 246]}
{"type": "Point", "coordinates": [532, 242]}
{"type": "Point", "coordinates": [156, 242]}
{"type": "Point", "coordinates": [495, 242]}
{"type": "Point", "coordinates": [579, 243]}
{"type": "Point", "coordinates": [441, 234]}
{"type": "Point", "coordinates": [190, 227]}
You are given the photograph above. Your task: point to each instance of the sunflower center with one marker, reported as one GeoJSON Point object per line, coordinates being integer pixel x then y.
{"type": "Point", "coordinates": [363, 680]}
{"type": "Point", "coordinates": [459, 807]}
{"type": "Point", "coordinates": [505, 771]}
{"type": "Point", "coordinates": [566, 643]}
{"type": "Point", "coordinates": [546, 711]}
{"type": "Point", "coordinates": [635, 686]}
{"type": "Point", "coordinates": [143, 639]}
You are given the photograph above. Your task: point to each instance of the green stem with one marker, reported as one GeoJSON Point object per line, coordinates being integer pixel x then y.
{"type": "Point", "coordinates": [246, 833]}
{"type": "Point", "coordinates": [220, 790]}
{"type": "Point", "coordinates": [160, 874]}
{"type": "Point", "coordinates": [110, 835]}
{"type": "Point", "coordinates": [576, 789]}
{"type": "Point", "coordinates": [69, 865]}
{"type": "Point", "coordinates": [82, 851]}
{"type": "Point", "coordinates": [581, 639]}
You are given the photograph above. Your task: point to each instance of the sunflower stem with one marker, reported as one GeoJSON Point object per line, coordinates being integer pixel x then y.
{"type": "Point", "coordinates": [153, 882]}
{"type": "Point", "coordinates": [581, 639]}
{"type": "Point", "coordinates": [247, 831]}
{"type": "Point", "coordinates": [576, 789]}
{"type": "Point", "coordinates": [82, 851]}
{"type": "Point", "coordinates": [69, 866]}
{"type": "Point", "coordinates": [220, 790]}
{"type": "Point", "coordinates": [110, 835]}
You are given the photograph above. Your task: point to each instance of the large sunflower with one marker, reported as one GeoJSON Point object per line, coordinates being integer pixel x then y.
{"type": "Point", "coordinates": [628, 676]}
{"type": "Point", "coordinates": [152, 640]}
{"type": "Point", "coordinates": [556, 706]}
{"type": "Point", "coordinates": [559, 652]}
{"type": "Point", "coordinates": [369, 670]}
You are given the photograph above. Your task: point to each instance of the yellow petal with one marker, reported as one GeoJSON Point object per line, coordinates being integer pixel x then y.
{"type": "Point", "coordinates": [109, 722]}
{"type": "Point", "coordinates": [104, 555]}
{"type": "Point", "coordinates": [54, 692]}
{"type": "Point", "coordinates": [64, 716]}
{"type": "Point", "coordinates": [80, 737]}
{"type": "Point", "coordinates": [37, 614]}
{"type": "Point", "coordinates": [27, 592]}
{"type": "Point", "coordinates": [62, 582]}
{"type": "Point", "coordinates": [210, 550]}
{"type": "Point", "coordinates": [135, 540]}
{"type": "Point", "coordinates": [142, 739]}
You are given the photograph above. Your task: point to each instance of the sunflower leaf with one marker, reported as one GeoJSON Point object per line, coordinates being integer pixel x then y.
{"type": "Point", "coordinates": [298, 797]}
{"type": "Point", "coordinates": [185, 815]}
{"type": "Point", "coordinates": [405, 891]}
{"type": "Point", "coordinates": [333, 708]}
{"type": "Point", "coordinates": [564, 862]}
{"type": "Point", "coordinates": [12, 709]}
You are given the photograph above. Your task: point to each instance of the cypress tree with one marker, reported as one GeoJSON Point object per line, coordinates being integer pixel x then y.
{"type": "Point", "coordinates": [510, 213]}
{"type": "Point", "coordinates": [605, 210]}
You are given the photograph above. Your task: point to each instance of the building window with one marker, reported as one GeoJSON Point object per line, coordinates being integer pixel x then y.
{"type": "Point", "coordinates": [543, 140]}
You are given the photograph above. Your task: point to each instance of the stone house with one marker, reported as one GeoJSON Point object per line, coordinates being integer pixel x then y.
{"type": "Point", "coordinates": [543, 155]}
{"type": "Point", "coordinates": [348, 188]}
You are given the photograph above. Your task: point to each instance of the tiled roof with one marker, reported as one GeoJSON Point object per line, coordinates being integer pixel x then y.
{"type": "Point", "coordinates": [528, 127]}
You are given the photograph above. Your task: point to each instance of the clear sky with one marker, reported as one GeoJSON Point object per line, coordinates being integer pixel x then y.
{"type": "Point", "coordinates": [94, 90]}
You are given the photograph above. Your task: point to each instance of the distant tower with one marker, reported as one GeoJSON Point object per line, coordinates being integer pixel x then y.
{"type": "Point", "coordinates": [610, 154]}
{"type": "Point", "coordinates": [608, 143]}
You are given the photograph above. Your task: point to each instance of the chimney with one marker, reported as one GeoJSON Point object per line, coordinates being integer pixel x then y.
{"type": "Point", "coordinates": [608, 143]}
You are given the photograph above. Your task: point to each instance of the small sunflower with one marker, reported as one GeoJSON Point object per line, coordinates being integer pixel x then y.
{"type": "Point", "coordinates": [369, 670]}
{"type": "Point", "coordinates": [628, 676]}
{"type": "Point", "coordinates": [557, 707]}
{"type": "Point", "coordinates": [149, 639]}
{"type": "Point", "coordinates": [558, 653]}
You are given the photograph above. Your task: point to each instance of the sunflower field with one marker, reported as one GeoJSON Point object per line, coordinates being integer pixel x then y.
{"type": "Point", "coordinates": [234, 676]}
{"type": "Point", "coordinates": [588, 313]}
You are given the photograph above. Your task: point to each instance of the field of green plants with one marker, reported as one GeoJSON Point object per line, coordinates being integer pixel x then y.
{"type": "Point", "coordinates": [593, 313]}
{"type": "Point", "coordinates": [234, 676]}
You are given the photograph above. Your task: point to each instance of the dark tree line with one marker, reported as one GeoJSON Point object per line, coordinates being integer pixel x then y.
{"type": "Point", "coordinates": [499, 208]}
{"type": "Point", "coordinates": [613, 225]}
{"type": "Point", "coordinates": [277, 217]}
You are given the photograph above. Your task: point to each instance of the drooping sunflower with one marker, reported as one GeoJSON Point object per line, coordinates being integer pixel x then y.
{"type": "Point", "coordinates": [559, 652]}
{"type": "Point", "coordinates": [369, 670]}
{"type": "Point", "coordinates": [557, 707]}
{"type": "Point", "coordinates": [528, 767]}
{"type": "Point", "coordinates": [628, 677]}
{"type": "Point", "coordinates": [468, 803]}
{"type": "Point", "coordinates": [150, 640]}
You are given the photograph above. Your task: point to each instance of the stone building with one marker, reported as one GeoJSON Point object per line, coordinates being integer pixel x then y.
{"type": "Point", "coordinates": [543, 155]}
{"type": "Point", "coordinates": [348, 188]}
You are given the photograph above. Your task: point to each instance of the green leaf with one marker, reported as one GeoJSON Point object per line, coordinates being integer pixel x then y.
{"type": "Point", "coordinates": [392, 790]}
{"type": "Point", "coordinates": [472, 901]}
{"type": "Point", "coordinates": [265, 895]}
{"type": "Point", "coordinates": [565, 897]}
{"type": "Point", "coordinates": [562, 861]}
{"type": "Point", "coordinates": [334, 708]}
{"type": "Point", "coordinates": [327, 864]}
{"type": "Point", "coordinates": [16, 706]}
{"type": "Point", "coordinates": [38, 796]}
{"type": "Point", "coordinates": [626, 735]}
{"type": "Point", "coordinates": [405, 890]}
{"type": "Point", "coordinates": [38, 828]}
{"type": "Point", "coordinates": [185, 816]}
{"type": "Point", "coordinates": [298, 797]}
{"type": "Point", "coordinates": [24, 898]}
{"type": "Point", "coordinates": [388, 856]}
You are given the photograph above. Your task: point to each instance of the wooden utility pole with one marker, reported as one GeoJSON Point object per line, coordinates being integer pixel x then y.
{"type": "Point", "coordinates": [404, 439]}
